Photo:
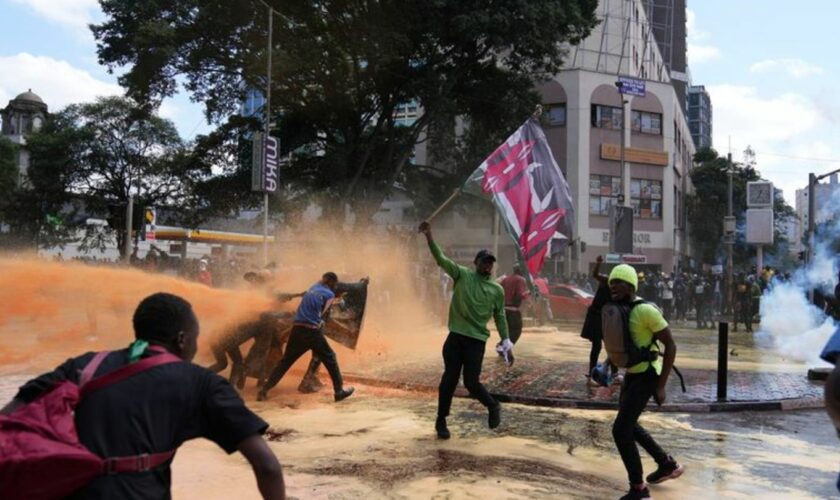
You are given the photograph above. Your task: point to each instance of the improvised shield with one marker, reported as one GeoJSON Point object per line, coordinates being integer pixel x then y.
{"type": "Point", "coordinates": [346, 316]}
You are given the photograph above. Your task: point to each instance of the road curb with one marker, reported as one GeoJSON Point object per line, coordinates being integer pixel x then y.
{"type": "Point", "coordinates": [549, 402]}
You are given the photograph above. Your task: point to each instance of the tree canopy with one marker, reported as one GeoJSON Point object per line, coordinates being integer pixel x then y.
{"type": "Point", "coordinates": [708, 206]}
{"type": "Point", "coordinates": [344, 75]}
{"type": "Point", "coordinates": [88, 158]}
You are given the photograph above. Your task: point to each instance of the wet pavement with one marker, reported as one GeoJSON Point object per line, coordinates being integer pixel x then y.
{"type": "Point", "coordinates": [551, 363]}
{"type": "Point", "coordinates": [380, 444]}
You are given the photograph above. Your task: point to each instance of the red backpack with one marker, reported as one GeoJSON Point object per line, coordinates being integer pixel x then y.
{"type": "Point", "coordinates": [42, 457]}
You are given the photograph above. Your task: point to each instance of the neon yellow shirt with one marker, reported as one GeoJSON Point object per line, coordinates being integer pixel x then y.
{"type": "Point", "coordinates": [645, 320]}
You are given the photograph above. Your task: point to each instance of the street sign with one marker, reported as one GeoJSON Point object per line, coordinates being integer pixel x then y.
{"type": "Point", "coordinates": [759, 194]}
{"type": "Point", "coordinates": [150, 221]}
{"type": "Point", "coordinates": [634, 259]}
{"type": "Point", "coordinates": [272, 164]}
{"type": "Point", "coordinates": [265, 163]}
{"type": "Point", "coordinates": [632, 86]}
{"type": "Point", "coordinates": [615, 258]}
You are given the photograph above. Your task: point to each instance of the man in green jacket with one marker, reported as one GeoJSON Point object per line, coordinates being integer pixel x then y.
{"type": "Point", "coordinates": [476, 297]}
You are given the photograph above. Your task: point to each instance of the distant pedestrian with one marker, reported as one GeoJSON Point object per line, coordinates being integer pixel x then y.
{"type": "Point", "coordinates": [516, 295]}
{"type": "Point", "coordinates": [592, 322]}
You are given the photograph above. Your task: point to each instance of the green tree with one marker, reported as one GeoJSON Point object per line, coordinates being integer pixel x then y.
{"type": "Point", "coordinates": [708, 206]}
{"type": "Point", "coordinates": [88, 158]}
{"type": "Point", "coordinates": [8, 168]}
{"type": "Point", "coordinates": [342, 72]}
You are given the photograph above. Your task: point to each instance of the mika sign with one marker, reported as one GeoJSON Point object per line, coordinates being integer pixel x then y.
{"type": "Point", "coordinates": [265, 163]}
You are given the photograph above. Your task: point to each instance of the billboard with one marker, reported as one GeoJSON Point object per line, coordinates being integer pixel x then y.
{"type": "Point", "coordinates": [265, 163]}
{"type": "Point", "coordinates": [760, 226]}
{"type": "Point", "coordinates": [759, 194]}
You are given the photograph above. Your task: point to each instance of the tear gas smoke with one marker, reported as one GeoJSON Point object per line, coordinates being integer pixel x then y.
{"type": "Point", "coordinates": [798, 328]}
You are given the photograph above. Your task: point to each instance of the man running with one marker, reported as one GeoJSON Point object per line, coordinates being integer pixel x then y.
{"type": "Point", "coordinates": [307, 335]}
{"type": "Point", "coordinates": [516, 295]}
{"type": "Point", "coordinates": [476, 297]}
{"type": "Point", "coordinates": [643, 381]}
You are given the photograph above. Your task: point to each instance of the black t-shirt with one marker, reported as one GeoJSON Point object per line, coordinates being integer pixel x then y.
{"type": "Point", "coordinates": [150, 412]}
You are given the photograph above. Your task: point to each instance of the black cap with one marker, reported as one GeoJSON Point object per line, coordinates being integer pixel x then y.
{"type": "Point", "coordinates": [482, 255]}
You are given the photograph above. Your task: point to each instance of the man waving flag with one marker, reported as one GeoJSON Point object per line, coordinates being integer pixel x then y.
{"type": "Point", "coordinates": [529, 190]}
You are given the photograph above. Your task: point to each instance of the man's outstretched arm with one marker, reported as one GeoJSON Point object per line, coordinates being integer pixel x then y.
{"type": "Point", "coordinates": [266, 467]}
{"type": "Point", "coordinates": [442, 260]}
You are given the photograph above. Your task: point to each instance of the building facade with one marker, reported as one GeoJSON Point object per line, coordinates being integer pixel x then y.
{"type": "Point", "coordinates": [827, 201]}
{"type": "Point", "coordinates": [24, 115]}
{"type": "Point", "coordinates": [585, 113]}
{"type": "Point", "coordinates": [700, 116]}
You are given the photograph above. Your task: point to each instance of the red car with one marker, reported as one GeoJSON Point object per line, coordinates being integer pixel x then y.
{"type": "Point", "coordinates": [568, 302]}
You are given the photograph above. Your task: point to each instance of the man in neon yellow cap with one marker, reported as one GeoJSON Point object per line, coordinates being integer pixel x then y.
{"type": "Point", "coordinates": [643, 381]}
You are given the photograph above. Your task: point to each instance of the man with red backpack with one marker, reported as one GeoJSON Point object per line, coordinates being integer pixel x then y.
{"type": "Point", "coordinates": [136, 407]}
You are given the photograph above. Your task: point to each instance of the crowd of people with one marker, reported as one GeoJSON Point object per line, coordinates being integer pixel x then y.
{"type": "Point", "coordinates": [700, 296]}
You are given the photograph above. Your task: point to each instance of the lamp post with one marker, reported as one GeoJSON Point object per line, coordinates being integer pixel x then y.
{"type": "Point", "coordinates": [267, 126]}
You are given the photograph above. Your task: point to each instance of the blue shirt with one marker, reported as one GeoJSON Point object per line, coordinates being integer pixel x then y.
{"type": "Point", "coordinates": [311, 308]}
{"type": "Point", "coordinates": [832, 348]}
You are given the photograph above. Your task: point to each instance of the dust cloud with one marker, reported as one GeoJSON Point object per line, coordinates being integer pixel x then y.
{"type": "Point", "coordinates": [52, 310]}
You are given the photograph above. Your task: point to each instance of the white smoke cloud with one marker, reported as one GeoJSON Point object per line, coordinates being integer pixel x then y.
{"type": "Point", "coordinates": [799, 329]}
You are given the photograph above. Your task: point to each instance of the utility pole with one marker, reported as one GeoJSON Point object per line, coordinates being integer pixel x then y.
{"type": "Point", "coordinates": [812, 216]}
{"type": "Point", "coordinates": [729, 234]}
{"type": "Point", "coordinates": [267, 126]}
{"type": "Point", "coordinates": [129, 217]}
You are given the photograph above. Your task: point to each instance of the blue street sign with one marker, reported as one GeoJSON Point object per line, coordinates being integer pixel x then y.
{"type": "Point", "coordinates": [632, 86]}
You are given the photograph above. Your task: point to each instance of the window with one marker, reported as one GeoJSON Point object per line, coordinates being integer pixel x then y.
{"type": "Point", "coordinates": [645, 196]}
{"type": "Point", "coordinates": [556, 115]}
{"type": "Point", "coordinates": [646, 123]}
{"type": "Point", "coordinates": [603, 193]}
{"type": "Point", "coordinates": [406, 113]}
{"type": "Point", "coordinates": [606, 117]}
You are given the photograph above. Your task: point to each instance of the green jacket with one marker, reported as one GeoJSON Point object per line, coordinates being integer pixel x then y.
{"type": "Point", "coordinates": [475, 299]}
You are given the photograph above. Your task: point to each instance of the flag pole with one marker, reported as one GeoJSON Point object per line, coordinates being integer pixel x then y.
{"type": "Point", "coordinates": [444, 205]}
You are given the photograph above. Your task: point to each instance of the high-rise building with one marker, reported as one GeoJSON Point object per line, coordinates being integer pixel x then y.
{"type": "Point", "coordinates": [700, 116]}
{"type": "Point", "coordinates": [585, 114]}
{"type": "Point", "coordinates": [826, 201]}
{"type": "Point", "coordinates": [667, 20]}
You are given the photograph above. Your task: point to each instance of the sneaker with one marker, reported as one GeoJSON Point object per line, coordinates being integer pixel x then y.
{"type": "Point", "coordinates": [441, 429]}
{"type": "Point", "coordinates": [669, 470]}
{"type": "Point", "coordinates": [618, 380]}
{"type": "Point", "coordinates": [635, 494]}
{"type": "Point", "coordinates": [343, 394]}
{"type": "Point", "coordinates": [494, 417]}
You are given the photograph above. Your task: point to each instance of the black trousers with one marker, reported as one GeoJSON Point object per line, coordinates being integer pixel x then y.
{"type": "Point", "coordinates": [636, 390]}
{"type": "Point", "coordinates": [514, 321]}
{"type": "Point", "coordinates": [301, 340]}
{"type": "Point", "coordinates": [462, 352]}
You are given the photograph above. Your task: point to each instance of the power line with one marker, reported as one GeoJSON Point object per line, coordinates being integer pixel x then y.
{"type": "Point", "coordinates": [803, 158]}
